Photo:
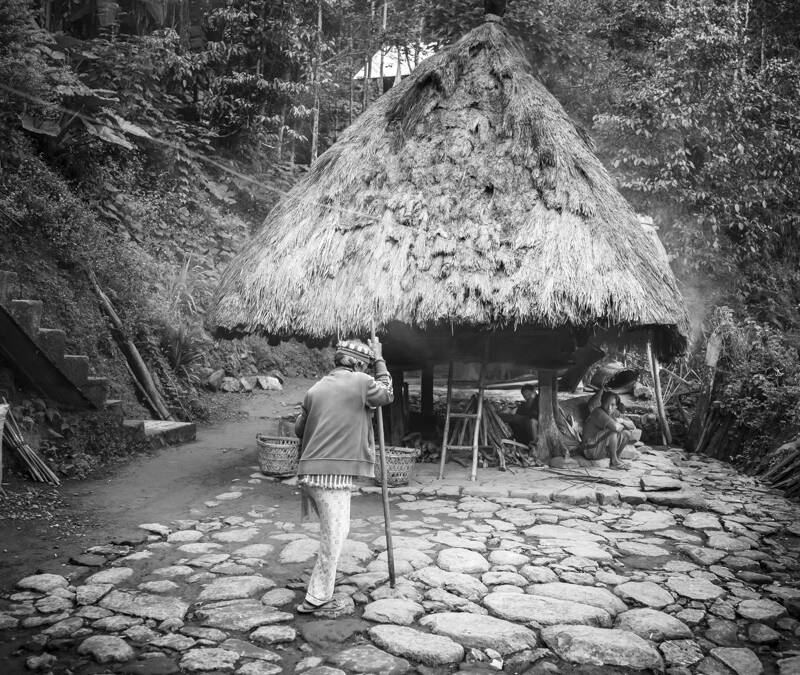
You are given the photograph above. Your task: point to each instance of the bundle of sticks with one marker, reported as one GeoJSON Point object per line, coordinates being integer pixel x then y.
{"type": "Point", "coordinates": [783, 470]}
{"type": "Point", "coordinates": [493, 432]}
{"type": "Point", "coordinates": [720, 435]}
{"type": "Point", "coordinates": [37, 467]}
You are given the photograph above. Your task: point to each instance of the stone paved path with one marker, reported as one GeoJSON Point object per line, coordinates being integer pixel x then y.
{"type": "Point", "coordinates": [523, 572]}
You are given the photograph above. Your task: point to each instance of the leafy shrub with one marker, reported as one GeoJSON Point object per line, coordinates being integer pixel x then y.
{"type": "Point", "coordinates": [760, 376]}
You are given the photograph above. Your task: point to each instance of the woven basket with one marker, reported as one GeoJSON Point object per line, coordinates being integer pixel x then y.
{"type": "Point", "coordinates": [278, 456]}
{"type": "Point", "coordinates": [399, 462]}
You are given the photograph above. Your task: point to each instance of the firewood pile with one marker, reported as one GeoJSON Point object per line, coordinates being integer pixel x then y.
{"type": "Point", "coordinates": [11, 436]}
{"type": "Point", "coordinates": [495, 447]}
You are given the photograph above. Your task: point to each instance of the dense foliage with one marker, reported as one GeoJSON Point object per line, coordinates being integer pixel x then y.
{"type": "Point", "coordinates": [757, 382]}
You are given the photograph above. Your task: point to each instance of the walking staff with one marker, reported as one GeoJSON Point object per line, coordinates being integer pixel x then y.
{"type": "Point", "coordinates": [387, 520]}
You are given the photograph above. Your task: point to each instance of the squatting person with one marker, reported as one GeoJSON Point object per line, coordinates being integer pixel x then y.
{"type": "Point", "coordinates": [605, 434]}
{"type": "Point", "coordinates": [337, 445]}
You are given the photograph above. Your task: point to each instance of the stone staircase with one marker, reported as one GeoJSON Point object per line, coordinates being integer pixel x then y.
{"type": "Point", "coordinates": [39, 356]}
{"type": "Point", "coordinates": [50, 343]}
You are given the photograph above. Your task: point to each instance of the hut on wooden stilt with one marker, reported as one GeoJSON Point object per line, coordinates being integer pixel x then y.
{"type": "Point", "coordinates": [463, 204]}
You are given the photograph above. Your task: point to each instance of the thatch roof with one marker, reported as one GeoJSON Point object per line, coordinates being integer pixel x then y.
{"type": "Point", "coordinates": [463, 197]}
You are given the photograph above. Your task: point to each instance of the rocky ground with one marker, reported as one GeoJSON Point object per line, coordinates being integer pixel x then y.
{"type": "Point", "coordinates": [706, 583]}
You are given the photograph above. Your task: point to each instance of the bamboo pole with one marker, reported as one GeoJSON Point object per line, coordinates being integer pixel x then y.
{"type": "Point", "coordinates": [3, 410]}
{"type": "Point", "coordinates": [479, 412]}
{"type": "Point", "coordinates": [131, 353]}
{"type": "Point", "coordinates": [387, 522]}
{"type": "Point", "coordinates": [446, 436]}
{"type": "Point", "coordinates": [666, 435]}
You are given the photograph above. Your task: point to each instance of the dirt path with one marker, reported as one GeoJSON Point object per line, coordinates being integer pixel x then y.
{"type": "Point", "coordinates": [159, 486]}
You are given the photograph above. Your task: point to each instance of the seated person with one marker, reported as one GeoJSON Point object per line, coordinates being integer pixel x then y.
{"type": "Point", "coordinates": [525, 421]}
{"type": "Point", "coordinates": [605, 434]}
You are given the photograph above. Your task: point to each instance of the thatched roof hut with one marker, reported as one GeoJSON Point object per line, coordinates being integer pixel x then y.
{"type": "Point", "coordinates": [464, 199]}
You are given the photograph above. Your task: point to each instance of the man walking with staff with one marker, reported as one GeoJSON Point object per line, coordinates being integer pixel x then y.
{"type": "Point", "coordinates": [337, 446]}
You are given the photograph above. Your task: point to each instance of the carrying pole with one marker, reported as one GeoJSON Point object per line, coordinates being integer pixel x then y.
{"type": "Point", "coordinates": [387, 521]}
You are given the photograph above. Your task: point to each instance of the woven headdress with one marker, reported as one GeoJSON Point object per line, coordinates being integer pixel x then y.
{"type": "Point", "coordinates": [356, 349]}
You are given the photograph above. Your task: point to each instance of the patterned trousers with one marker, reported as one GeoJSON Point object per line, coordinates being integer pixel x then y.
{"type": "Point", "coordinates": [333, 507]}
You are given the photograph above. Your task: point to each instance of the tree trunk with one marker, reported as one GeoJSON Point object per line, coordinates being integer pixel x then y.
{"type": "Point", "coordinates": [549, 435]}
{"type": "Point", "coordinates": [316, 75]}
{"type": "Point", "coordinates": [352, 83]}
{"type": "Point", "coordinates": [281, 132]}
{"type": "Point", "coordinates": [368, 57]}
{"type": "Point", "coordinates": [763, 33]}
{"type": "Point", "coordinates": [382, 88]}
{"type": "Point", "coordinates": [397, 77]}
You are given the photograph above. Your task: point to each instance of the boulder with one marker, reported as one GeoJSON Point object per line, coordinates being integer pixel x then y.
{"type": "Point", "coordinates": [235, 587]}
{"type": "Point", "coordinates": [430, 650]}
{"type": "Point", "coordinates": [42, 583]}
{"type": "Point", "coordinates": [645, 593]}
{"type": "Point", "coordinates": [396, 611]}
{"type": "Point", "coordinates": [106, 649]}
{"type": "Point", "coordinates": [240, 615]}
{"type": "Point", "coordinates": [145, 605]}
{"type": "Point", "coordinates": [206, 659]}
{"type": "Point", "coordinates": [586, 595]}
{"type": "Point", "coordinates": [544, 611]}
{"type": "Point", "coordinates": [651, 624]}
{"type": "Point", "coordinates": [695, 589]}
{"type": "Point", "coordinates": [740, 660]}
{"type": "Point", "coordinates": [369, 659]}
{"type": "Point", "coordinates": [601, 647]}
{"type": "Point", "coordinates": [215, 379]}
{"type": "Point", "coordinates": [269, 383]}
{"type": "Point", "coordinates": [462, 560]}
{"type": "Point", "coordinates": [230, 384]}
{"type": "Point", "coordinates": [481, 632]}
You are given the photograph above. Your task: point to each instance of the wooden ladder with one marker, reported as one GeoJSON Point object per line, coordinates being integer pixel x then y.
{"type": "Point", "coordinates": [476, 416]}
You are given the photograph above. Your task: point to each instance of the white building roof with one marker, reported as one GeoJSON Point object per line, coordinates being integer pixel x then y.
{"type": "Point", "coordinates": [394, 58]}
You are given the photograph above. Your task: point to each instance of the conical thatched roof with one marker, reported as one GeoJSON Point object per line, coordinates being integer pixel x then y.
{"type": "Point", "coordinates": [463, 197]}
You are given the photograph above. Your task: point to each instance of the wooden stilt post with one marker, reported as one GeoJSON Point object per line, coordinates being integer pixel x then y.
{"type": "Point", "coordinates": [443, 458]}
{"type": "Point", "coordinates": [426, 390]}
{"type": "Point", "coordinates": [397, 429]}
